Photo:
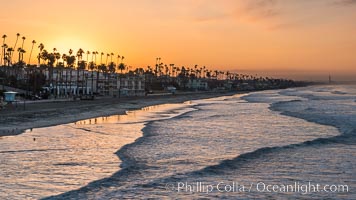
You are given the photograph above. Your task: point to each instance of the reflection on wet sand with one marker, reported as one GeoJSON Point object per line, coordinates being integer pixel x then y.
{"type": "Point", "coordinates": [134, 116]}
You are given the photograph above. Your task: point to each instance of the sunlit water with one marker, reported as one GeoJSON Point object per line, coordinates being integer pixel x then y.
{"type": "Point", "coordinates": [286, 137]}
{"type": "Point", "coordinates": [48, 161]}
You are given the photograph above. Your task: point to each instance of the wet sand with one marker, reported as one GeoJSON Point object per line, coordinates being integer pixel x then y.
{"type": "Point", "coordinates": [14, 120]}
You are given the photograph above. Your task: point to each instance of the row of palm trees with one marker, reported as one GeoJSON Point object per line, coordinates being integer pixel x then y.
{"type": "Point", "coordinates": [54, 61]}
{"type": "Point", "coordinates": [194, 72]}
{"type": "Point", "coordinates": [54, 58]}
{"type": "Point", "coordinates": [107, 64]}
{"type": "Point", "coordinates": [8, 52]}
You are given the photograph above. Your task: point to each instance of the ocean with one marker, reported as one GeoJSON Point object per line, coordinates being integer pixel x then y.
{"type": "Point", "coordinates": [297, 143]}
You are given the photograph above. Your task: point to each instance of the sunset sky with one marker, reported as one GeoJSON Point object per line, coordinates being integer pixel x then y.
{"type": "Point", "coordinates": [301, 39]}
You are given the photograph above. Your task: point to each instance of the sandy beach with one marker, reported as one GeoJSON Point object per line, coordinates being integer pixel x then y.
{"type": "Point", "coordinates": [42, 114]}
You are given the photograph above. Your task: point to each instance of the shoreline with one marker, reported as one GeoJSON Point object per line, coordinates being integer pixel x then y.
{"type": "Point", "coordinates": [121, 153]}
{"type": "Point", "coordinates": [38, 115]}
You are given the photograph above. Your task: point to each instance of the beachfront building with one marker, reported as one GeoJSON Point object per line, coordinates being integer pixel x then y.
{"type": "Point", "coordinates": [193, 84]}
{"type": "Point", "coordinates": [66, 82]}
{"type": "Point", "coordinates": [69, 82]}
{"type": "Point", "coordinates": [130, 85]}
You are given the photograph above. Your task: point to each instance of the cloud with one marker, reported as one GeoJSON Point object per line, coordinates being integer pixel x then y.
{"type": "Point", "coordinates": [210, 16]}
{"type": "Point", "coordinates": [262, 8]}
{"type": "Point", "coordinates": [253, 10]}
{"type": "Point", "coordinates": [268, 14]}
{"type": "Point", "coordinates": [206, 11]}
{"type": "Point", "coordinates": [345, 2]}
{"type": "Point", "coordinates": [258, 4]}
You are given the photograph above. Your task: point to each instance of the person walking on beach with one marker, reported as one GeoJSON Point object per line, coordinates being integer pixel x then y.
{"type": "Point", "coordinates": [2, 103]}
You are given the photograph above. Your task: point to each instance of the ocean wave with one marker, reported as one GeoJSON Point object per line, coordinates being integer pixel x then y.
{"type": "Point", "coordinates": [293, 102]}
{"type": "Point", "coordinates": [325, 105]}
{"type": "Point", "coordinates": [243, 159]}
{"type": "Point", "coordinates": [70, 164]}
{"type": "Point", "coordinates": [341, 116]}
{"type": "Point", "coordinates": [241, 162]}
{"type": "Point", "coordinates": [339, 92]}
{"type": "Point", "coordinates": [33, 150]}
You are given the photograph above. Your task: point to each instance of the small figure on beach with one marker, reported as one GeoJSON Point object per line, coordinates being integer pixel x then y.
{"type": "Point", "coordinates": [2, 103]}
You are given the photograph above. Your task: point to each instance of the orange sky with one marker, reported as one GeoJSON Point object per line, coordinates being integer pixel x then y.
{"type": "Point", "coordinates": [303, 39]}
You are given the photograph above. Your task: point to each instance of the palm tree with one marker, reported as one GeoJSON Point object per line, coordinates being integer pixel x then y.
{"type": "Point", "coordinates": [9, 53]}
{"type": "Point", "coordinates": [17, 38]}
{"type": "Point", "coordinates": [33, 43]}
{"type": "Point", "coordinates": [41, 47]}
{"type": "Point", "coordinates": [222, 75]}
{"type": "Point", "coordinates": [51, 57]}
{"type": "Point", "coordinates": [60, 68]}
{"type": "Point", "coordinates": [216, 74]}
{"type": "Point", "coordinates": [44, 55]}
{"type": "Point", "coordinates": [81, 66]}
{"type": "Point", "coordinates": [91, 66]}
{"type": "Point", "coordinates": [187, 71]}
{"type": "Point", "coordinates": [86, 67]}
{"type": "Point", "coordinates": [100, 67]}
{"type": "Point", "coordinates": [93, 55]}
{"type": "Point", "coordinates": [80, 57]}
{"type": "Point", "coordinates": [204, 70]}
{"type": "Point", "coordinates": [88, 52]}
{"type": "Point", "coordinates": [106, 74]}
{"type": "Point", "coordinates": [121, 67]}
{"type": "Point", "coordinates": [107, 56]}
{"type": "Point", "coordinates": [57, 56]}
{"type": "Point", "coordinates": [70, 64]}
{"type": "Point", "coordinates": [101, 57]}
{"type": "Point", "coordinates": [171, 69]}
{"type": "Point", "coordinates": [158, 63]}
{"type": "Point", "coordinates": [166, 69]}
{"type": "Point", "coordinates": [23, 41]}
{"type": "Point", "coordinates": [227, 75]}
{"type": "Point", "coordinates": [64, 58]}
{"type": "Point", "coordinates": [96, 53]}
{"type": "Point", "coordinates": [20, 65]}
{"type": "Point", "coordinates": [112, 54]}
{"type": "Point", "coordinates": [149, 69]}
{"type": "Point", "coordinates": [4, 48]}
{"type": "Point", "coordinates": [51, 63]}
{"type": "Point", "coordinates": [111, 69]}
{"type": "Point", "coordinates": [208, 74]}
{"type": "Point", "coordinates": [174, 70]}
{"type": "Point", "coordinates": [117, 60]}
{"type": "Point", "coordinates": [177, 71]}
{"type": "Point", "coordinates": [103, 69]}
{"type": "Point", "coordinates": [21, 52]}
